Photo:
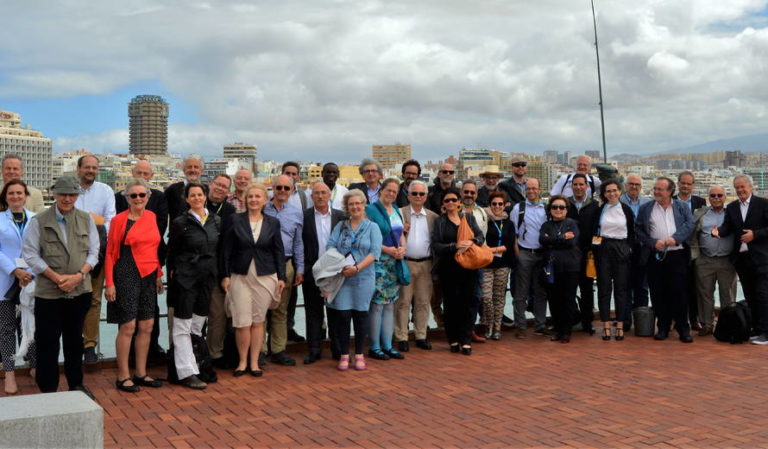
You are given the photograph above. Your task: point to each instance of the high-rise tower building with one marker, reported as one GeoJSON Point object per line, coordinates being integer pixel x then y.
{"type": "Point", "coordinates": [245, 152]}
{"type": "Point", "coordinates": [31, 146]}
{"type": "Point", "coordinates": [148, 125]}
{"type": "Point", "coordinates": [391, 156]}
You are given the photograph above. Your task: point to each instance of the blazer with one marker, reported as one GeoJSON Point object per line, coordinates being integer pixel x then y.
{"type": "Point", "coordinates": [757, 221]}
{"type": "Point", "coordinates": [11, 243]}
{"type": "Point", "coordinates": [587, 217]}
{"type": "Point", "coordinates": [514, 194]}
{"type": "Point", "coordinates": [157, 204]}
{"type": "Point", "coordinates": [683, 223]}
{"type": "Point", "coordinates": [192, 249]}
{"type": "Point", "coordinates": [363, 187]}
{"type": "Point", "coordinates": [309, 236]}
{"type": "Point", "coordinates": [696, 202]}
{"type": "Point", "coordinates": [238, 248]}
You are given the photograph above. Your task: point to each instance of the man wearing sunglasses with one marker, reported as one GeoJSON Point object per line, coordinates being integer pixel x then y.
{"type": "Point", "coordinates": [662, 227]}
{"type": "Point", "coordinates": [710, 257]}
{"type": "Point", "coordinates": [446, 178]}
{"type": "Point", "coordinates": [514, 187]}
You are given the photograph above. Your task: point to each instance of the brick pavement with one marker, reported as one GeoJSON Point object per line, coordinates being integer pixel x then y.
{"type": "Point", "coordinates": [508, 394]}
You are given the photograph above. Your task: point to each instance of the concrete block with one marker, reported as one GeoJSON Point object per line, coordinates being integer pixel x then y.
{"type": "Point", "coordinates": [63, 420]}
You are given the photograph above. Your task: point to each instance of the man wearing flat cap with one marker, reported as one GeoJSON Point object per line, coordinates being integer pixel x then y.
{"type": "Point", "coordinates": [61, 246]}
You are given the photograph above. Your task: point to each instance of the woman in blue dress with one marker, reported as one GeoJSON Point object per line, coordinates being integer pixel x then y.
{"type": "Point", "coordinates": [360, 240]}
{"type": "Point", "coordinates": [382, 313]}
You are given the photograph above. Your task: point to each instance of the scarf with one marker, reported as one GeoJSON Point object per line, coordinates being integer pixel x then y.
{"type": "Point", "coordinates": [494, 217]}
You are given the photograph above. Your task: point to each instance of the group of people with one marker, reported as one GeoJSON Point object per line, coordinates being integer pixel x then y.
{"type": "Point", "coordinates": [377, 256]}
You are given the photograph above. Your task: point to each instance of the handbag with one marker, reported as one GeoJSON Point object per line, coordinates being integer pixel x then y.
{"type": "Point", "coordinates": [476, 256]}
{"type": "Point", "coordinates": [591, 269]}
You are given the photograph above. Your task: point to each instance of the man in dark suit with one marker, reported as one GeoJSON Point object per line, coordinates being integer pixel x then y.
{"type": "Point", "coordinates": [372, 173]}
{"type": "Point", "coordinates": [411, 170]}
{"type": "Point", "coordinates": [747, 221]}
{"type": "Point", "coordinates": [514, 187]}
{"type": "Point", "coordinates": [685, 183]}
{"type": "Point", "coordinates": [319, 221]}
{"type": "Point", "coordinates": [158, 205]}
{"type": "Point", "coordinates": [662, 226]}
{"type": "Point", "coordinates": [174, 193]}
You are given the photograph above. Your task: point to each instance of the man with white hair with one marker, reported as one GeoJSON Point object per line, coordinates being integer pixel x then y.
{"type": "Point", "coordinates": [174, 193]}
{"type": "Point", "coordinates": [583, 166]}
{"type": "Point", "coordinates": [243, 178]}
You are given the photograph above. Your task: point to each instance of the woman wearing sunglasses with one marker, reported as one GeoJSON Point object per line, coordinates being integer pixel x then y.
{"type": "Point", "coordinates": [501, 239]}
{"type": "Point", "coordinates": [457, 283]}
{"type": "Point", "coordinates": [559, 237]}
{"type": "Point", "coordinates": [133, 279]}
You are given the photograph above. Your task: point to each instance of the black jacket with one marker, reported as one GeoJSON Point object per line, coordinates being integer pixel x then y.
{"type": "Point", "coordinates": [443, 245]}
{"type": "Point", "coordinates": [309, 237]}
{"type": "Point", "coordinates": [628, 214]}
{"type": "Point", "coordinates": [157, 204]}
{"type": "Point", "coordinates": [483, 193]}
{"type": "Point", "coordinates": [514, 194]}
{"type": "Point", "coordinates": [223, 210]}
{"type": "Point", "coordinates": [435, 197]}
{"type": "Point", "coordinates": [174, 195]}
{"type": "Point", "coordinates": [507, 239]}
{"type": "Point", "coordinates": [696, 202]}
{"type": "Point", "coordinates": [757, 221]}
{"type": "Point", "coordinates": [363, 187]}
{"type": "Point", "coordinates": [565, 252]}
{"type": "Point", "coordinates": [402, 196]}
{"type": "Point", "coordinates": [192, 249]}
{"type": "Point", "coordinates": [587, 217]}
{"type": "Point", "coordinates": [238, 248]}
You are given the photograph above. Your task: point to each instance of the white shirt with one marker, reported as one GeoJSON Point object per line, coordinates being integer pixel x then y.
{"type": "Point", "coordinates": [323, 229]}
{"type": "Point", "coordinates": [744, 207]}
{"type": "Point", "coordinates": [337, 196]}
{"type": "Point", "coordinates": [613, 223]}
{"type": "Point", "coordinates": [98, 199]}
{"type": "Point", "coordinates": [662, 224]}
{"type": "Point", "coordinates": [418, 236]}
{"type": "Point", "coordinates": [562, 187]}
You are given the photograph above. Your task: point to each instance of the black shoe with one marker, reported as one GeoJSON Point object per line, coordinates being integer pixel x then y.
{"type": "Point", "coordinates": [256, 373]}
{"type": "Point", "coordinates": [239, 372]}
{"type": "Point", "coordinates": [424, 344]}
{"type": "Point", "coordinates": [455, 348]}
{"type": "Point", "coordinates": [466, 350]}
{"type": "Point", "coordinates": [507, 321]}
{"type": "Point", "coordinates": [281, 358]}
{"type": "Point", "coordinates": [85, 391]}
{"type": "Point", "coordinates": [262, 360]}
{"type": "Point", "coordinates": [402, 346]}
{"type": "Point", "coordinates": [661, 336]}
{"type": "Point", "coordinates": [378, 354]}
{"type": "Point", "coordinates": [194, 383]}
{"type": "Point", "coordinates": [686, 338]}
{"type": "Point", "coordinates": [154, 383]}
{"type": "Point", "coordinates": [294, 337]}
{"type": "Point", "coordinates": [90, 357]}
{"type": "Point", "coordinates": [394, 354]}
{"type": "Point", "coordinates": [312, 357]}
{"type": "Point", "coordinates": [606, 334]}
{"type": "Point", "coordinates": [120, 384]}
{"type": "Point", "coordinates": [619, 334]}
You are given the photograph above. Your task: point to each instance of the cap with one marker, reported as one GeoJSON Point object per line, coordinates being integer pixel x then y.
{"type": "Point", "coordinates": [66, 185]}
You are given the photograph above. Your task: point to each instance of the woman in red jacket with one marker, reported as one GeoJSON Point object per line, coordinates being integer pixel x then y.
{"type": "Point", "coordinates": [133, 280]}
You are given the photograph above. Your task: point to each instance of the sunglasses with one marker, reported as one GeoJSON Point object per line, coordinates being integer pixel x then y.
{"type": "Point", "coordinates": [470, 192]}
{"type": "Point", "coordinates": [133, 196]}
{"type": "Point", "coordinates": [497, 204]}
{"type": "Point", "coordinates": [520, 164]}
{"type": "Point", "coordinates": [447, 172]}
{"type": "Point", "coordinates": [418, 193]}
{"type": "Point", "coordinates": [451, 200]}
{"type": "Point", "coordinates": [286, 188]}
{"type": "Point", "coordinates": [716, 195]}
{"type": "Point", "coordinates": [558, 207]}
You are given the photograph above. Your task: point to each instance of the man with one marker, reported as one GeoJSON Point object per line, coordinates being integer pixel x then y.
{"type": "Point", "coordinates": [157, 204]}
{"type": "Point", "coordinates": [371, 171]}
{"type": "Point", "coordinates": [583, 166]}
{"type": "Point", "coordinates": [299, 197]}
{"type": "Point", "coordinates": [710, 258]}
{"type": "Point", "coordinates": [468, 195]}
{"type": "Point", "coordinates": [98, 199]}
{"type": "Point", "coordinates": [291, 223]}
{"type": "Point", "coordinates": [445, 180]}
{"type": "Point", "coordinates": [685, 183]}
{"type": "Point", "coordinates": [218, 191]}
{"type": "Point", "coordinates": [418, 222]}
{"type": "Point", "coordinates": [243, 178]}
{"type": "Point", "coordinates": [330, 175]}
{"type": "Point", "coordinates": [638, 282]}
{"type": "Point", "coordinates": [319, 221]}
{"type": "Point", "coordinates": [514, 187]}
{"type": "Point", "coordinates": [527, 217]}
{"type": "Point", "coordinates": [63, 284]}
{"type": "Point", "coordinates": [411, 170]}
{"type": "Point", "coordinates": [491, 180]}
{"type": "Point", "coordinates": [586, 212]}
{"type": "Point", "coordinates": [13, 168]}
{"type": "Point", "coordinates": [662, 227]}
{"type": "Point", "coordinates": [746, 219]}
{"type": "Point", "coordinates": [174, 193]}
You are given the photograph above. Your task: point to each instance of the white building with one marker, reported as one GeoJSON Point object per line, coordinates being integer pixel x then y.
{"type": "Point", "coordinates": [30, 145]}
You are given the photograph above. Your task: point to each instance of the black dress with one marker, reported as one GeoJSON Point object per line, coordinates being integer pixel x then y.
{"type": "Point", "coordinates": [135, 296]}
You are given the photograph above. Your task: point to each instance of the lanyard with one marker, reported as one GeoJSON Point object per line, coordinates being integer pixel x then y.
{"type": "Point", "coordinates": [21, 224]}
{"type": "Point", "coordinates": [499, 229]}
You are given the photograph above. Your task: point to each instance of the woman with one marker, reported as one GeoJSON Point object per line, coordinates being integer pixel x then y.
{"type": "Point", "coordinates": [133, 279]}
{"type": "Point", "coordinates": [13, 221]}
{"type": "Point", "coordinates": [252, 266]}
{"type": "Point", "coordinates": [559, 238]}
{"type": "Point", "coordinates": [192, 240]}
{"type": "Point", "coordinates": [382, 313]}
{"type": "Point", "coordinates": [457, 283]}
{"type": "Point", "coordinates": [501, 239]}
{"type": "Point", "coordinates": [614, 234]}
{"type": "Point", "coordinates": [359, 239]}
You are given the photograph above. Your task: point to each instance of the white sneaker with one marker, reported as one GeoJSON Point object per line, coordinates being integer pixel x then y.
{"type": "Point", "coordinates": [755, 337]}
{"type": "Point", "coordinates": [760, 340]}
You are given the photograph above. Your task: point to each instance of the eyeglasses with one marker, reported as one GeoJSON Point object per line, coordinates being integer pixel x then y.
{"type": "Point", "coordinates": [520, 164]}
{"type": "Point", "coordinates": [370, 170]}
{"type": "Point", "coordinates": [279, 188]}
{"type": "Point", "coordinates": [408, 173]}
{"type": "Point", "coordinates": [137, 195]}
{"type": "Point", "coordinates": [447, 172]}
{"type": "Point", "coordinates": [470, 192]}
{"type": "Point", "coordinates": [634, 184]}
{"type": "Point", "coordinates": [497, 204]}
{"type": "Point", "coordinates": [418, 193]}
{"type": "Point", "coordinates": [558, 207]}
{"type": "Point", "coordinates": [450, 200]}
{"type": "Point", "coordinates": [716, 195]}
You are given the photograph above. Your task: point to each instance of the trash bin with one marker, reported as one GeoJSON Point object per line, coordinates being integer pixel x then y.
{"type": "Point", "coordinates": [645, 323]}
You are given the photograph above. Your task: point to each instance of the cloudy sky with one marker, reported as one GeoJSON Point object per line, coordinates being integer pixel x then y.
{"type": "Point", "coordinates": [322, 80]}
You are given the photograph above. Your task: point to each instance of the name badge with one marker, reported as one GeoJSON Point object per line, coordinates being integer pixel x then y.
{"type": "Point", "coordinates": [597, 240]}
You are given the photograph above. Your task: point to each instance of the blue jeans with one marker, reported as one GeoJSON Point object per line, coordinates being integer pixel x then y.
{"type": "Point", "coordinates": [382, 321]}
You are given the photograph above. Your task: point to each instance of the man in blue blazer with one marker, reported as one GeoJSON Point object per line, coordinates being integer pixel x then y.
{"type": "Point", "coordinates": [662, 226]}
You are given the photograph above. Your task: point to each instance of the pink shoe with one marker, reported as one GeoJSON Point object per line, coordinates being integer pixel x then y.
{"type": "Point", "coordinates": [343, 363]}
{"type": "Point", "coordinates": [360, 362]}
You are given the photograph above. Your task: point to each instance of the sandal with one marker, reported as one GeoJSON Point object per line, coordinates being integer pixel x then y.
{"type": "Point", "coordinates": [343, 363]}
{"type": "Point", "coordinates": [360, 362]}
{"type": "Point", "coordinates": [120, 384]}
{"type": "Point", "coordinates": [142, 380]}
{"type": "Point", "coordinates": [619, 334]}
{"type": "Point", "coordinates": [606, 333]}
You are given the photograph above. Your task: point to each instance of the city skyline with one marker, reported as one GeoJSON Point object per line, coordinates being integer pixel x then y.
{"type": "Point", "coordinates": [304, 79]}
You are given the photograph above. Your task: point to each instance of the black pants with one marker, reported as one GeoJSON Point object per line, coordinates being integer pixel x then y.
{"type": "Point", "coordinates": [755, 286]}
{"type": "Point", "coordinates": [668, 282]}
{"type": "Point", "coordinates": [342, 320]}
{"type": "Point", "coordinates": [612, 277]}
{"type": "Point", "coordinates": [586, 294]}
{"type": "Point", "coordinates": [314, 307]}
{"type": "Point", "coordinates": [56, 319]}
{"type": "Point", "coordinates": [562, 302]}
{"type": "Point", "coordinates": [459, 301]}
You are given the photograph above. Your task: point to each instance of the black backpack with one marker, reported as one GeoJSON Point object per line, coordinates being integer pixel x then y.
{"type": "Point", "coordinates": [733, 323]}
{"type": "Point", "coordinates": [203, 358]}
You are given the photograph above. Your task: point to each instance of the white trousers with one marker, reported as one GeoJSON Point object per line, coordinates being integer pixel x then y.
{"type": "Point", "coordinates": [183, 357]}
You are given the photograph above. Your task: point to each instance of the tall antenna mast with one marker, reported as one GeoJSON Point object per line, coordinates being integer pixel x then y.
{"type": "Point", "coordinates": [599, 83]}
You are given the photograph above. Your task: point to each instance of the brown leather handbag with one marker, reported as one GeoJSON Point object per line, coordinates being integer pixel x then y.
{"type": "Point", "coordinates": [476, 256]}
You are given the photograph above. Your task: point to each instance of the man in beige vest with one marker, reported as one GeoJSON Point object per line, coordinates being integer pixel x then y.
{"type": "Point", "coordinates": [418, 222]}
{"type": "Point", "coordinates": [13, 168]}
{"type": "Point", "coordinates": [61, 246]}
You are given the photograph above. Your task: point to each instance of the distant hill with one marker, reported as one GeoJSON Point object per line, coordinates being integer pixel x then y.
{"type": "Point", "coordinates": [754, 143]}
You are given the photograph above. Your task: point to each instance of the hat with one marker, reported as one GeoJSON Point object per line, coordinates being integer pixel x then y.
{"type": "Point", "coordinates": [66, 185]}
{"type": "Point", "coordinates": [517, 158]}
{"type": "Point", "coordinates": [491, 170]}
